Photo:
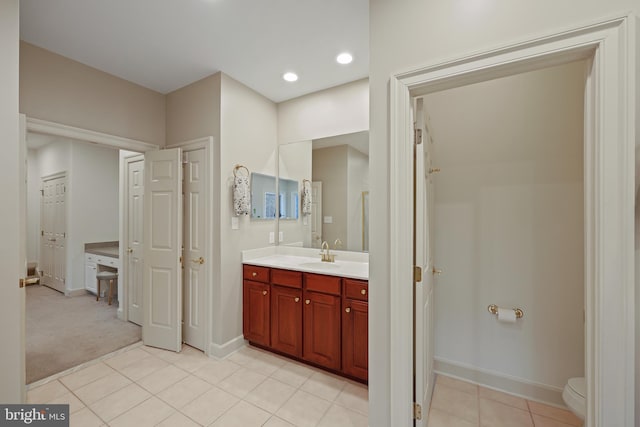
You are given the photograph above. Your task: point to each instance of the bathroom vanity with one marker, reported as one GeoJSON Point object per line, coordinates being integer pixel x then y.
{"type": "Point", "coordinates": [98, 257]}
{"type": "Point", "coordinates": [311, 311]}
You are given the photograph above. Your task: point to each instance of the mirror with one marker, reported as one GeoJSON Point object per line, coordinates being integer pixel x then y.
{"type": "Point", "coordinates": [338, 170]}
{"type": "Point", "coordinates": [263, 196]}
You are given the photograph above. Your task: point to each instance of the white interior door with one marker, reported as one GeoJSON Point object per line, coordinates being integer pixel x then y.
{"type": "Point", "coordinates": [195, 238]}
{"type": "Point", "coordinates": [162, 290]}
{"type": "Point", "coordinates": [316, 214]}
{"type": "Point", "coordinates": [134, 237]}
{"type": "Point", "coordinates": [423, 252]}
{"type": "Point", "coordinates": [53, 235]}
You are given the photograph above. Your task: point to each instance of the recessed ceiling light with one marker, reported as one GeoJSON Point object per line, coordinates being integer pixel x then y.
{"type": "Point", "coordinates": [344, 58]}
{"type": "Point", "coordinates": [290, 77]}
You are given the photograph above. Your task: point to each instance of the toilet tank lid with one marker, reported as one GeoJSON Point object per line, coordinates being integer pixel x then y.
{"type": "Point", "coordinates": [579, 385]}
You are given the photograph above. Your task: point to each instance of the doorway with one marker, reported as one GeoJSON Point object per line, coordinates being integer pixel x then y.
{"type": "Point", "coordinates": [611, 254]}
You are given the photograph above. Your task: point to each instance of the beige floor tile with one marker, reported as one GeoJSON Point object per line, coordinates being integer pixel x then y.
{"type": "Point", "coordinates": [439, 418]}
{"type": "Point", "coordinates": [355, 397]}
{"type": "Point", "coordinates": [558, 414]}
{"type": "Point", "coordinates": [143, 367]}
{"type": "Point", "coordinates": [303, 409]}
{"type": "Point", "coordinates": [119, 402]}
{"type": "Point", "coordinates": [46, 392]}
{"type": "Point", "coordinates": [241, 382]}
{"type": "Point", "coordinates": [338, 416]}
{"type": "Point", "coordinates": [169, 356]}
{"type": "Point", "coordinates": [245, 355]}
{"type": "Point", "coordinates": [215, 371]}
{"type": "Point", "coordinates": [86, 375]}
{"type": "Point", "coordinates": [70, 399]}
{"type": "Point", "coordinates": [178, 419]}
{"type": "Point", "coordinates": [496, 414]}
{"type": "Point", "coordinates": [457, 384]}
{"type": "Point", "coordinates": [162, 378]}
{"type": "Point", "coordinates": [507, 399]}
{"type": "Point", "coordinates": [184, 391]}
{"type": "Point", "coordinates": [292, 373]}
{"type": "Point", "coordinates": [122, 360]}
{"type": "Point", "coordinates": [148, 413]}
{"type": "Point", "coordinates": [270, 395]}
{"type": "Point", "coordinates": [453, 401]}
{"type": "Point", "coordinates": [85, 418]}
{"type": "Point", "coordinates": [265, 364]}
{"type": "Point", "coordinates": [209, 406]}
{"type": "Point", "coordinates": [277, 422]}
{"type": "Point", "coordinates": [242, 414]}
{"type": "Point", "coordinates": [102, 387]}
{"type": "Point", "coordinates": [191, 362]}
{"type": "Point", "coordinates": [540, 421]}
{"type": "Point", "coordinates": [324, 385]}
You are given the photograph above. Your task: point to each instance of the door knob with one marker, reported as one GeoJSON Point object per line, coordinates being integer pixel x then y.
{"type": "Point", "coordinates": [198, 261]}
{"type": "Point", "coordinates": [264, 292]}
{"type": "Point", "coordinates": [129, 250]}
{"type": "Point", "coordinates": [308, 301]}
{"type": "Point", "coordinates": [296, 299]}
{"type": "Point", "coordinates": [348, 309]}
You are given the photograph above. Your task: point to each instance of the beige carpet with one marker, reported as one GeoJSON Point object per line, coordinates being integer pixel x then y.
{"type": "Point", "coordinates": [62, 332]}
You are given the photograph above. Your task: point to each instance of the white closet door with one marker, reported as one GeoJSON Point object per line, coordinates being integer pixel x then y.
{"type": "Point", "coordinates": [195, 256]}
{"type": "Point", "coordinates": [53, 236]}
{"type": "Point", "coordinates": [423, 252]}
{"type": "Point", "coordinates": [162, 290]}
{"type": "Point", "coordinates": [134, 238]}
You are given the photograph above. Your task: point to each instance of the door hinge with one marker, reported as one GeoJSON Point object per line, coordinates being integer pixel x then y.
{"type": "Point", "coordinates": [42, 193]}
{"type": "Point", "coordinates": [417, 273]}
{"type": "Point", "coordinates": [417, 411]}
{"type": "Point", "coordinates": [42, 232]}
{"type": "Point", "coordinates": [417, 135]}
{"type": "Point", "coordinates": [181, 262]}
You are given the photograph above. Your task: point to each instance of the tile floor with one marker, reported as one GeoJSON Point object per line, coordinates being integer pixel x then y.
{"type": "Point", "coordinates": [461, 404]}
{"type": "Point", "coordinates": [145, 386]}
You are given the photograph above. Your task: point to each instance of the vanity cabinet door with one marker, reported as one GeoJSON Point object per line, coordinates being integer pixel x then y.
{"type": "Point", "coordinates": [286, 320]}
{"type": "Point", "coordinates": [256, 312]}
{"type": "Point", "coordinates": [321, 319]}
{"type": "Point", "coordinates": [355, 338]}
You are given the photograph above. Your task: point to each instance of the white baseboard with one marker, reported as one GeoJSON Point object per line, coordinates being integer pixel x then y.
{"type": "Point", "coordinates": [517, 386]}
{"type": "Point", "coordinates": [75, 292]}
{"type": "Point", "coordinates": [224, 350]}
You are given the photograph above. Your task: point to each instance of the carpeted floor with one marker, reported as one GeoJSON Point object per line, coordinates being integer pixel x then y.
{"type": "Point", "coordinates": [62, 332]}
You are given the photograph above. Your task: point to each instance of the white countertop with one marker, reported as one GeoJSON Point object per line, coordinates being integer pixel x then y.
{"type": "Point", "coordinates": [347, 264]}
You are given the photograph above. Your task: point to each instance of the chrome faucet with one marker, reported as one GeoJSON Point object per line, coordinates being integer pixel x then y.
{"type": "Point", "coordinates": [326, 256]}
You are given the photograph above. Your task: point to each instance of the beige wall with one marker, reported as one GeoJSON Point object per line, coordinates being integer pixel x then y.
{"type": "Point", "coordinates": [194, 111]}
{"type": "Point", "coordinates": [330, 165]}
{"type": "Point", "coordinates": [248, 136]}
{"type": "Point", "coordinates": [509, 224]}
{"type": "Point", "coordinates": [334, 111]}
{"type": "Point", "coordinates": [61, 90]}
{"type": "Point", "coordinates": [11, 297]}
{"type": "Point", "coordinates": [405, 35]}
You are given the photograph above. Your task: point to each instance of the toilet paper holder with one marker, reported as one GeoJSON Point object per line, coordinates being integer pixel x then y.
{"type": "Point", "coordinates": [493, 309]}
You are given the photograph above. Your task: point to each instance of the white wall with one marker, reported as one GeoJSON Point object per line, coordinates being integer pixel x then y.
{"type": "Point", "coordinates": [11, 297]}
{"type": "Point", "coordinates": [92, 197]}
{"type": "Point", "coordinates": [248, 136]}
{"type": "Point", "coordinates": [405, 35]}
{"type": "Point", "coordinates": [357, 182]}
{"type": "Point", "coordinates": [33, 207]}
{"type": "Point", "coordinates": [509, 224]}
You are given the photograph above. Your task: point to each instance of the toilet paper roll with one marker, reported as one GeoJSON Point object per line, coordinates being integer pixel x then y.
{"type": "Point", "coordinates": [507, 315]}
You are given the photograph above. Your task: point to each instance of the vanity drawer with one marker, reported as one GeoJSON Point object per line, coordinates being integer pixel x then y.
{"type": "Point", "coordinates": [356, 289]}
{"type": "Point", "coordinates": [293, 279]}
{"type": "Point", "coordinates": [258, 274]}
{"type": "Point", "coordinates": [322, 283]}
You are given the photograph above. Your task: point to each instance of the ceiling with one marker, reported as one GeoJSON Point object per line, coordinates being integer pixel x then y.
{"type": "Point", "coordinates": [166, 44]}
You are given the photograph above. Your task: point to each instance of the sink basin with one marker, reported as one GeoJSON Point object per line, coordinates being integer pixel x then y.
{"type": "Point", "coordinates": [320, 265]}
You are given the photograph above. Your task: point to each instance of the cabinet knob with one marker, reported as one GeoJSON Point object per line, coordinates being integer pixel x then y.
{"type": "Point", "coordinates": [363, 291]}
{"type": "Point", "coordinates": [254, 274]}
{"type": "Point", "coordinates": [264, 292]}
{"type": "Point", "coordinates": [296, 299]}
{"type": "Point", "coordinates": [307, 301]}
{"type": "Point", "coordinates": [347, 310]}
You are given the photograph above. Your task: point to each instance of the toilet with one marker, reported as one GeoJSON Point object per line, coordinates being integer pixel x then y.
{"type": "Point", "coordinates": [574, 396]}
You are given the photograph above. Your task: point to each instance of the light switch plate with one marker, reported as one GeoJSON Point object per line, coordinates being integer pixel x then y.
{"type": "Point", "coordinates": [280, 236]}
{"type": "Point", "coordinates": [272, 237]}
{"type": "Point", "coordinates": [305, 220]}
{"type": "Point", "coordinates": [328, 220]}
{"type": "Point", "coordinates": [235, 223]}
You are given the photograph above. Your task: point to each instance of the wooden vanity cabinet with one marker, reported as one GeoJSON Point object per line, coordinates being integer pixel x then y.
{"type": "Point", "coordinates": [355, 328]}
{"type": "Point", "coordinates": [256, 305]}
{"type": "Point", "coordinates": [286, 309]}
{"type": "Point", "coordinates": [321, 319]}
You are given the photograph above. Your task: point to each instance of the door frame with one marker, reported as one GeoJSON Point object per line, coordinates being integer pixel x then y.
{"type": "Point", "coordinates": [206, 143]}
{"type": "Point", "coordinates": [609, 203]}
